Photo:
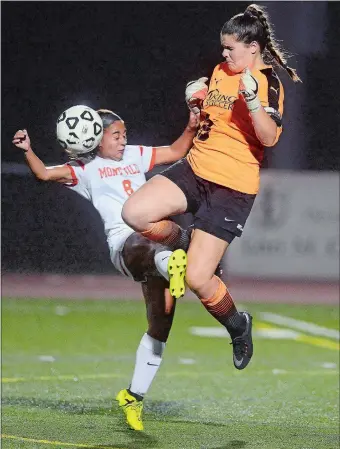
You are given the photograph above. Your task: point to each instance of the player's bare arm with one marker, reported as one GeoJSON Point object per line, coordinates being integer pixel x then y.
{"type": "Point", "coordinates": [60, 174]}
{"type": "Point", "coordinates": [179, 148]}
{"type": "Point", "coordinates": [265, 127]}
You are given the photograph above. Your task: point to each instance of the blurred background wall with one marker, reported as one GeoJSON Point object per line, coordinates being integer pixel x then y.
{"type": "Point", "coordinates": [136, 58]}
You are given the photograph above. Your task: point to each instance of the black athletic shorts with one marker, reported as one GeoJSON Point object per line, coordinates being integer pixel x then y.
{"type": "Point", "coordinates": [217, 210]}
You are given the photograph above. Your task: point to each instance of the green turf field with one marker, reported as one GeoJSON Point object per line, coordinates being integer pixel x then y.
{"type": "Point", "coordinates": [63, 362]}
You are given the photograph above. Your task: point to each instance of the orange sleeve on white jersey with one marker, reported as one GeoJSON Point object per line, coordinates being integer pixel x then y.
{"type": "Point", "coordinates": [153, 158]}
{"type": "Point", "coordinates": [74, 176]}
{"type": "Point", "coordinates": [148, 156]}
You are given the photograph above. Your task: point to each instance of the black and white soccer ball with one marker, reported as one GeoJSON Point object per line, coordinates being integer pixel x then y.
{"type": "Point", "coordinates": [79, 130]}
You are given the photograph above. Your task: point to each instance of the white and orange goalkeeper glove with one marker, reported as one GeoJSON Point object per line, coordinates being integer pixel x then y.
{"type": "Point", "coordinates": [249, 88]}
{"type": "Point", "coordinates": [195, 93]}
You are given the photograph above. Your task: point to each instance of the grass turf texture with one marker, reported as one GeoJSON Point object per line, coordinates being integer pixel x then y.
{"type": "Point", "coordinates": [66, 401]}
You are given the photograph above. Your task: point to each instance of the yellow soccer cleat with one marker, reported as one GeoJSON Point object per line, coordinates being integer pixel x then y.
{"type": "Point", "coordinates": [176, 269]}
{"type": "Point", "coordinates": [132, 409]}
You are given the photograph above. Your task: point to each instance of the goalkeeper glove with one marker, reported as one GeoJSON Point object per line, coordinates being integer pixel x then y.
{"type": "Point", "coordinates": [249, 88]}
{"type": "Point", "coordinates": [195, 93]}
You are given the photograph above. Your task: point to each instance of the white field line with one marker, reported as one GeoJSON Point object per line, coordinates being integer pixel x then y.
{"type": "Point", "coordinates": [310, 328]}
{"type": "Point", "coordinates": [209, 332]}
{"type": "Point", "coordinates": [276, 334]}
{"type": "Point", "coordinates": [193, 374]}
{"type": "Point", "coordinates": [54, 443]}
{"type": "Point", "coordinates": [264, 330]}
{"type": "Point", "coordinates": [220, 332]}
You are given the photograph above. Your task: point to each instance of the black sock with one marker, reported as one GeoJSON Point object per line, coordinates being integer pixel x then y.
{"type": "Point", "coordinates": [183, 239]}
{"type": "Point", "coordinates": [236, 324]}
{"type": "Point", "coordinates": [138, 397]}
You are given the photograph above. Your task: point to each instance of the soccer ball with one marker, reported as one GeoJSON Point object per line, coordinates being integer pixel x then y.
{"type": "Point", "coordinates": [79, 130]}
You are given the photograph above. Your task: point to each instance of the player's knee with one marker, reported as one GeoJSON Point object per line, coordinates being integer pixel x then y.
{"type": "Point", "coordinates": [133, 216]}
{"type": "Point", "coordinates": [196, 278]}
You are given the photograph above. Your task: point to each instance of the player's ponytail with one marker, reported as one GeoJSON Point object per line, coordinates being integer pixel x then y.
{"type": "Point", "coordinates": [108, 117]}
{"type": "Point", "coordinates": [254, 25]}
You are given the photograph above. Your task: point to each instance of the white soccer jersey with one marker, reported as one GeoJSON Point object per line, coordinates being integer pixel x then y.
{"type": "Point", "coordinates": [108, 184]}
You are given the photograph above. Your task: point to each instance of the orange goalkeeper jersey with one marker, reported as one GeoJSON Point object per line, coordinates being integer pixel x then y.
{"type": "Point", "coordinates": [226, 150]}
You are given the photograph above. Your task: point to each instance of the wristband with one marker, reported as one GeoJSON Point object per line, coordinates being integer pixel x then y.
{"type": "Point", "coordinates": [254, 104]}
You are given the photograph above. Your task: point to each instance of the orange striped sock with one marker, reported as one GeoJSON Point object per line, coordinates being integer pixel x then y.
{"type": "Point", "coordinates": [169, 234]}
{"type": "Point", "coordinates": [221, 305]}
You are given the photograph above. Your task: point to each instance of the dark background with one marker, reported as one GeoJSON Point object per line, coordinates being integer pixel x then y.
{"type": "Point", "coordinates": [136, 58]}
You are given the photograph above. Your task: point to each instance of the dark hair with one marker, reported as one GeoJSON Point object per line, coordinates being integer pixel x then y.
{"type": "Point", "coordinates": [254, 25]}
{"type": "Point", "coordinates": [108, 117]}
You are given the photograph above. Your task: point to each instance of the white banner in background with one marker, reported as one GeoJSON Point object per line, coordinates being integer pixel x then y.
{"type": "Point", "coordinates": [293, 229]}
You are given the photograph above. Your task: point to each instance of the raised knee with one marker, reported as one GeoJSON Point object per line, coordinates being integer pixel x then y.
{"type": "Point", "coordinates": [132, 216]}
{"type": "Point", "coordinates": [195, 279]}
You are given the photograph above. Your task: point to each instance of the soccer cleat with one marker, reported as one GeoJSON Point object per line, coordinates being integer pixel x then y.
{"type": "Point", "coordinates": [176, 269]}
{"type": "Point", "coordinates": [243, 344]}
{"type": "Point", "coordinates": [132, 409]}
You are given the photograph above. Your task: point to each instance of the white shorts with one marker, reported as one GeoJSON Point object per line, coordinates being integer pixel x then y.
{"type": "Point", "coordinates": [116, 241]}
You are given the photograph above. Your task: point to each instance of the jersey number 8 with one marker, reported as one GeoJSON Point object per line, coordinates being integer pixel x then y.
{"type": "Point", "coordinates": [127, 187]}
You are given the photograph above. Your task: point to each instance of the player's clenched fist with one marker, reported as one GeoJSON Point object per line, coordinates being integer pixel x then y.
{"type": "Point", "coordinates": [195, 93]}
{"type": "Point", "coordinates": [21, 140]}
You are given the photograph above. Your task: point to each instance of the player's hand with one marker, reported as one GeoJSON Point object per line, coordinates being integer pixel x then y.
{"type": "Point", "coordinates": [21, 140]}
{"type": "Point", "coordinates": [248, 88]}
{"type": "Point", "coordinates": [195, 94]}
{"type": "Point", "coordinates": [194, 121]}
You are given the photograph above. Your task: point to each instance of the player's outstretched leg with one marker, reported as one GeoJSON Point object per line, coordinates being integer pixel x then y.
{"type": "Point", "coordinates": [176, 269]}
{"type": "Point", "coordinates": [215, 295]}
{"type": "Point", "coordinates": [150, 351]}
{"type": "Point", "coordinates": [132, 407]}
